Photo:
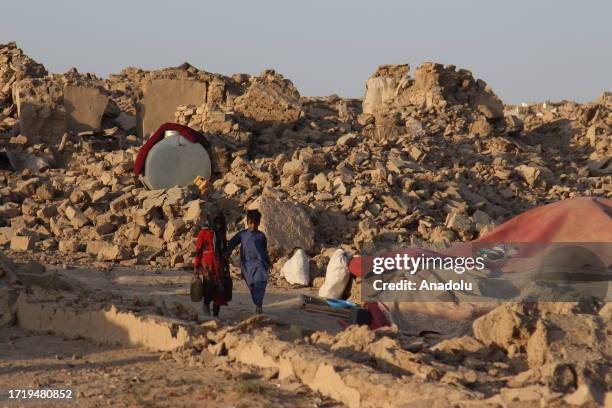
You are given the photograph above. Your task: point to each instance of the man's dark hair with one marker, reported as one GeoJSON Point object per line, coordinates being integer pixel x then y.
{"type": "Point", "coordinates": [254, 216]}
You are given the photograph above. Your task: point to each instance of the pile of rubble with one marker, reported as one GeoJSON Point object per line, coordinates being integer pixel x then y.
{"type": "Point", "coordinates": [429, 159]}
{"type": "Point", "coordinates": [513, 356]}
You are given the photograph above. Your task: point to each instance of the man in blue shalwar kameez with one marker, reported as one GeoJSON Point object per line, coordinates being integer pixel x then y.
{"type": "Point", "coordinates": [254, 260]}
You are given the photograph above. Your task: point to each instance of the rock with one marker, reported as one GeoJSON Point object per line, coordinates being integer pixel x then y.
{"type": "Point", "coordinates": [458, 221]}
{"type": "Point", "coordinates": [269, 98]}
{"type": "Point", "coordinates": [113, 253]}
{"type": "Point", "coordinates": [530, 174]}
{"type": "Point", "coordinates": [382, 87]}
{"type": "Point", "coordinates": [40, 109]}
{"type": "Point", "coordinates": [45, 192]}
{"type": "Point", "coordinates": [10, 210]}
{"type": "Point", "coordinates": [105, 228]}
{"type": "Point", "coordinates": [350, 139]}
{"type": "Point", "coordinates": [157, 227]}
{"type": "Point", "coordinates": [19, 140]}
{"type": "Point", "coordinates": [19, 243]}
{"type": "Point", "coordinates": [94, 247]}
{"type": "Point", "coordinates": [151, 241]}
{"type": "Point", "coordinates": [194, 212]}
{"type": "Point", "coordinates": [173, 229]}
{"type": "Point", "coordinates": [84, 106]}
{"type": "Point", "coordinates": [76, 217]}
{"type": "Point", "coordinates": [295, 168]}
{"type": "Point", "coordinates": [230, 189]}
{"type": "Point", "coordinates": [286, 225]}
{"type": "Point", "coordinates": [503, 326]}
{"type": "Point", "coordinates": [321, 182]}
{"type": "Point", "coordinates": [70, 245]}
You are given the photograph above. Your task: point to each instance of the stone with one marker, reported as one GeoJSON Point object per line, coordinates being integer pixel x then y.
{"type": "Point", "coordinates": [230, 189]}
{"type": "Point", "coordinates": [113, 253]}
{"type": "Point", "coordinates": [99, 195]}
{"type": "Point", "coordinates": [503, 326]}
{"type": "Point", "coordinates": [94, 247]}
{"type": "Point", "coordinates": [84, 106]}
{"type": "Point", "coordinates": [173, 229]}
{"type": "Point", "coordinates": [105, 228]}
{"type": "Point", "coordinates": [270, 98]}
{"type": "Point", "coordinates": [45, 192]}
{"type": "Point", "coordinates": [321, 182]}
{"type": "Point", "coordinates": [193, 212]}
{"type": "Point", "coordinates": [382, 86]}
{"type": "Point", "coordinates": [294, 168]}
{"type": "Point", "coordinates": [76, 217]}
{"type": "Point", "coordinates": [10, 210]}
{"type": "Point", "coordinates": [19, 140]}
{"type": "Point", "coordinates": [459, 221]}
{"type": "Point", "coordinates": [396, 203]}
{"type": "Point", "coordinates": [40, 109]}
{"type": "Point", "coordinates": [69, 245]}
{"type": "Point", "coordinates": [350, 140]}
{"type": "Point", "coordinates": [529, 174]}
{"type": "Point", "coordinates": [286, 225]}
{"type": "Point", "coordinates": [132, 233]}
{"type": "Point", "coordinates": [19, 243]}
{"type": "Point", "coordinates": [156, 227]}
{"type": "Point", "coordinates": [151, 241]}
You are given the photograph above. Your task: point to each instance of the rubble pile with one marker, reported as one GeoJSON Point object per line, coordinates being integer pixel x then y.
{"type": "Point", "coordinates": [430, 159]}
{"type": "Point", "coordinates": [14, 66]}
{"type": "Point", "coordinates": [514, 356]}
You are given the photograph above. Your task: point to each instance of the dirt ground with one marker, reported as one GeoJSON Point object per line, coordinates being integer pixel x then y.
{"type": "Point", "coordinates": [119, 376]}
{"type": "Point", "coordinates": [122, 377]}
{"type": "Point", "coordinates": [172, 285]}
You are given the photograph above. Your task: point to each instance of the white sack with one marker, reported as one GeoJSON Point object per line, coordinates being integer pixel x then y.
{"type": "Point", "coordinates": [297, 269]}
{"type": "Point", "coordinates": [336, 276]}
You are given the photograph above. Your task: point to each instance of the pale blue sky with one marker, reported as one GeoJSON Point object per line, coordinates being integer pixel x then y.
{"type": "Point", "coordinates": [527, 50]}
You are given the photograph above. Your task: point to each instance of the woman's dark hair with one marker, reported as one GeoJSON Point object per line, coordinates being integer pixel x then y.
{"type": "Point", "coordinates": [253, 216]}
{"type": "Point", "coordinates": [219, 221]}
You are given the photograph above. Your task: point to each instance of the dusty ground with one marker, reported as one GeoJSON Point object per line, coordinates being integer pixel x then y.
{"type": "Point", "coordinates": [118, 376]}
{"type": "Point", "coordinates": [121, 377]}
{"type": "Point", "coordinates": [172, 285]}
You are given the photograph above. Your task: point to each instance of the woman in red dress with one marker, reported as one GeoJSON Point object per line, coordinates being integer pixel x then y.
{"type": "Point", "coordinates": [209, 261]}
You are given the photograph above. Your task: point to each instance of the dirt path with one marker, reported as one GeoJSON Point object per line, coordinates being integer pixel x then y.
{"type": "Point", "coordinates": [172, 286]}
{"type": "Point", "coordinates": [132, 377]}
{"type": "Point", "coordinates": [124, 377]}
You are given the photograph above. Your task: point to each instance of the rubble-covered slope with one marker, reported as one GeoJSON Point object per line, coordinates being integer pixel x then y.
{"type": "Point", "coordinates": [433, 158]}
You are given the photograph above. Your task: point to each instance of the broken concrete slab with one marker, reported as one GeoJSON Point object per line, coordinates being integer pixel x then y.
{"type": "Point", "coordinates": [160, 99]}
{"type": "Point", "coordinates": [84, 106]}
{"type": "Point", "coordinates": [19, 243]}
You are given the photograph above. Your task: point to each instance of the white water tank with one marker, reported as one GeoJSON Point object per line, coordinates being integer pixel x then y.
{"type": "Point", "coordinates": [175, 161]}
